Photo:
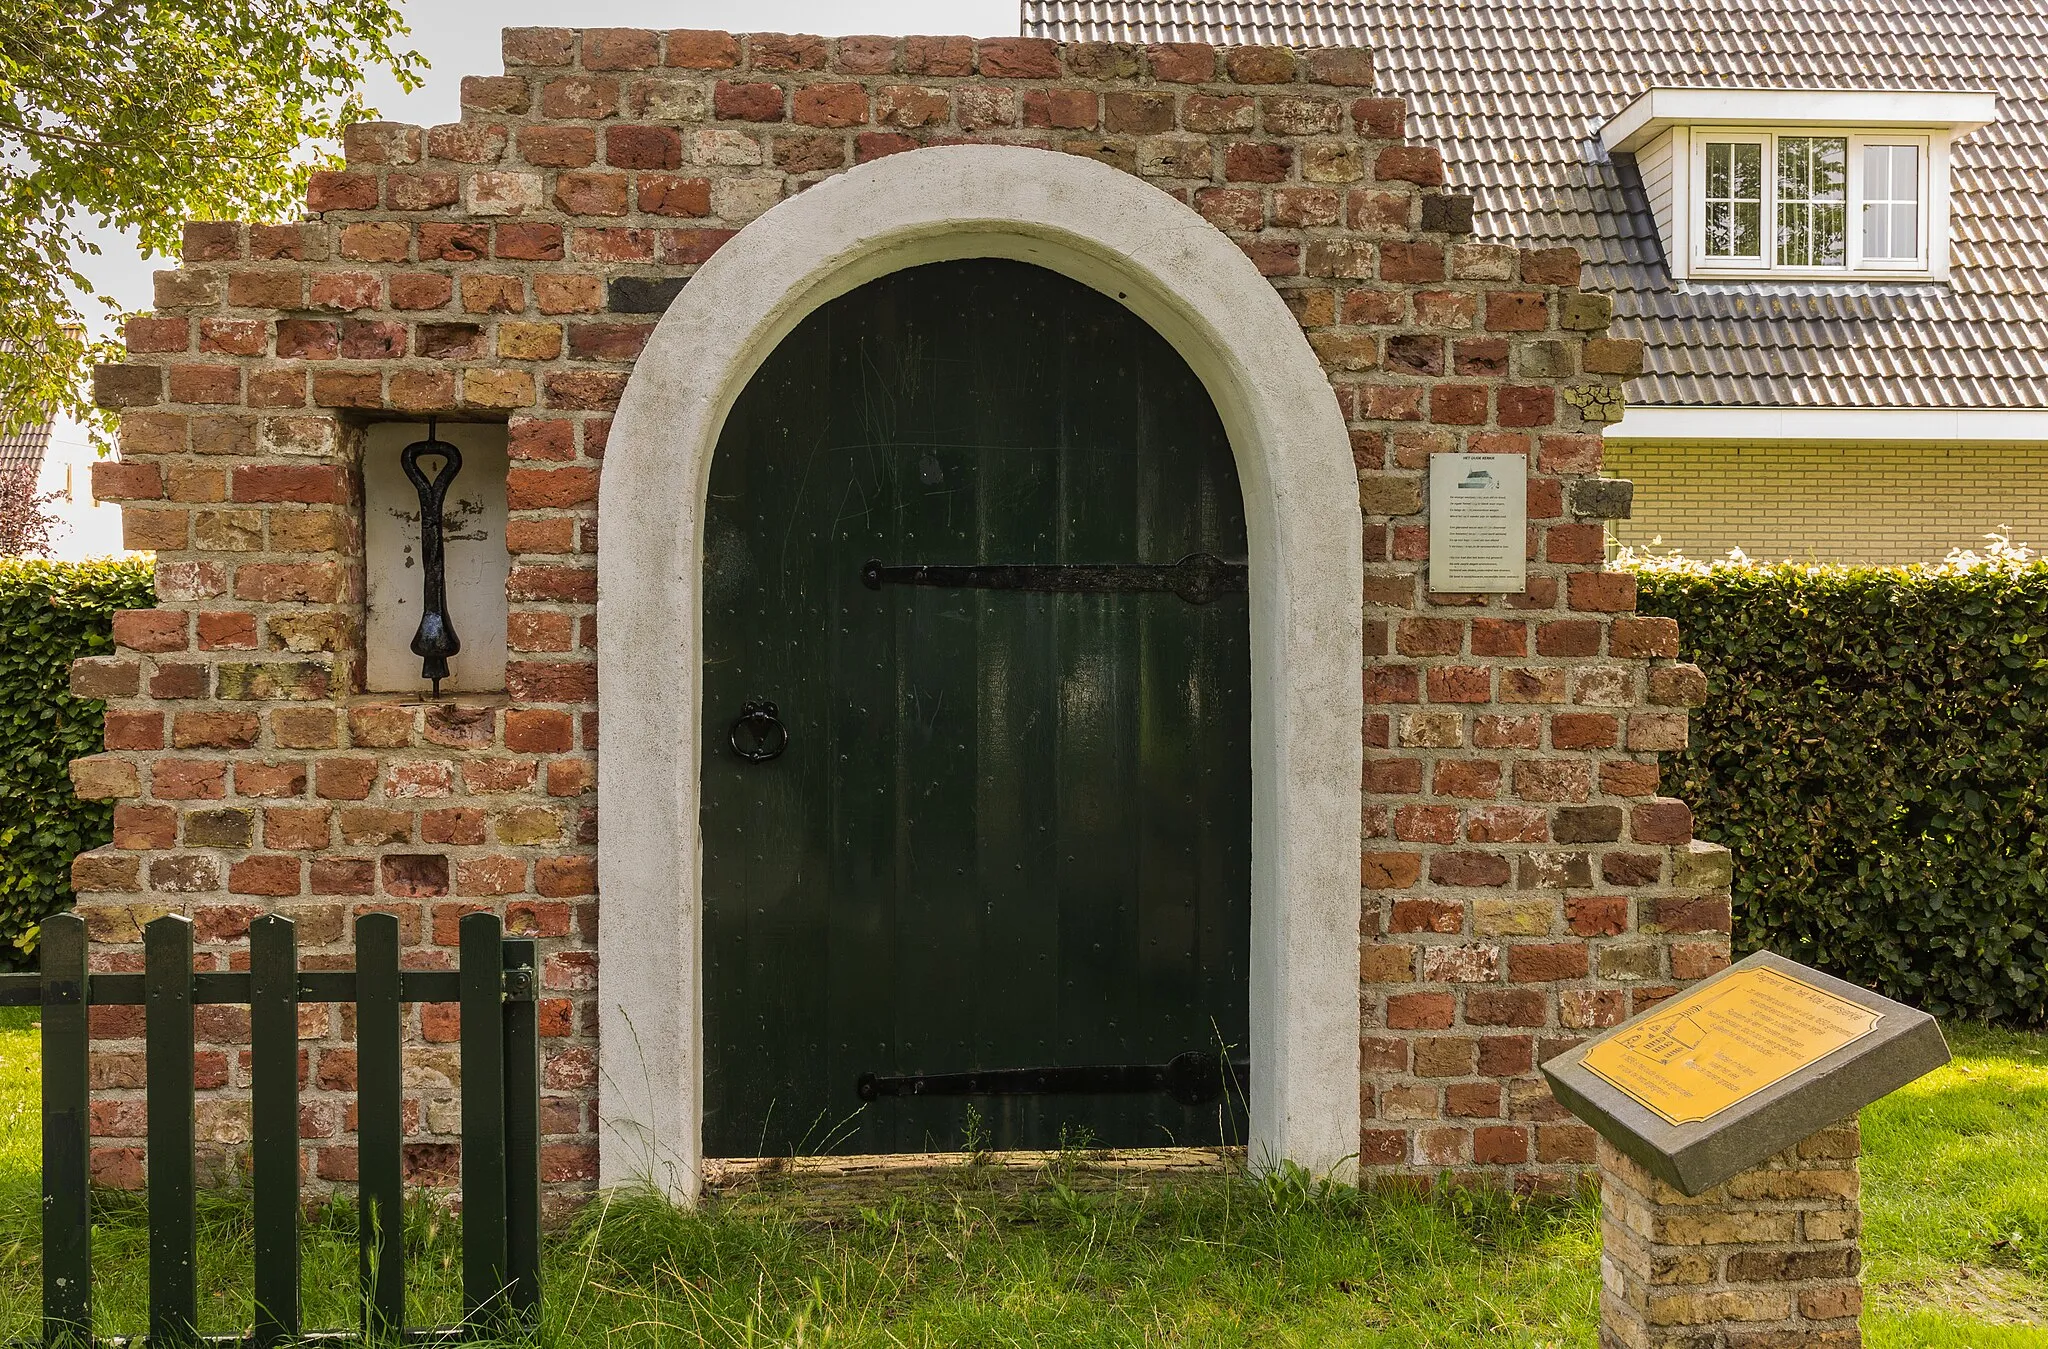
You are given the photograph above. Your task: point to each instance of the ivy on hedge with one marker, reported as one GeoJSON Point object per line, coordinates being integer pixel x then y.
{"type": "Point", "coordinates": [1874, 750]}
{"type": "Point", "coordinates": [50, 614]}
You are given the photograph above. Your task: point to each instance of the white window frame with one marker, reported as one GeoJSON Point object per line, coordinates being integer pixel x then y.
{"type": "Point", "coordinates": [1932, 234]}
{"type": "Point", "coordinates": [1917, 262]}
{"type": "Point", "coordinates": [1766, 225]}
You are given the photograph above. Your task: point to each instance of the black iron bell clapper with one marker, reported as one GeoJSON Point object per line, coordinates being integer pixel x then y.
{"type": "Point", "coordinates": [435, 641]}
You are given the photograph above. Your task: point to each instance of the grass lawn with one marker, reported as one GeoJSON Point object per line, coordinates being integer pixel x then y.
{"type": "Point", "coordinates": [1955, 1194]}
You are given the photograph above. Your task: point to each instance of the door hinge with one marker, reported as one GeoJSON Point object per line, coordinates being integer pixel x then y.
{"type": "Point", "coordinates": [1198, 578]}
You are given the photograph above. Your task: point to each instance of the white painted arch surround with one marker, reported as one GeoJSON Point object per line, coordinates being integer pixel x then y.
{"type": "Point", "coordinates": [1125, 238]}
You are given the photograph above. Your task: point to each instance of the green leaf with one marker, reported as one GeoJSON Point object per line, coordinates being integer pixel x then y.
{"type": "Point", "coordinates": [51, 613]}
{"type": "Point", "coordinates": [1877, 759]}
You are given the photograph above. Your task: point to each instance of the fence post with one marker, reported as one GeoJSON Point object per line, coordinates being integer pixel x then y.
{"type": "Point", "coordinates": [274, 1112]}
{"type": "Point", "coordinates": [484, 1273]}
{"type": "Point", "coordinates": [67, 1135]}
{"type": "Point", "coordinates": [380, 1175]}
{"type": "Point", "coordinates": [522, 1124]}
{"type": "Point", "coordinates": [167, 1050]}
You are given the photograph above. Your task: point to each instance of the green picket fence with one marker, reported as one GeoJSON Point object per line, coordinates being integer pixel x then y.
{"type": "Point", "coordinates": [495, 983]}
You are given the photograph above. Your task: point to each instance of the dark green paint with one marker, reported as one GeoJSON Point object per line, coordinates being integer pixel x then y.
{"type": "Point", "coordinates": [1010, 829]}
{"type": "Point", "coordinates": [484, 1271]}
{"type": "Point", "coordinates": [274, 1115]}
{"type": "Point", "coordinates": [167, 1055]}
{"type": "Point", "coordinates": [67, 1135]}
{"type": "Point", "coordinates": [521, 960]}
{"type": "Point", "coordinates": [380, 1127]}
{"type": "Point", "coordinates": [496, 979]}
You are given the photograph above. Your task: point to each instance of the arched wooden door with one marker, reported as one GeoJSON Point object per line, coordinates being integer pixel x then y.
{"type": "Point", "coordinates": [1008, 825]}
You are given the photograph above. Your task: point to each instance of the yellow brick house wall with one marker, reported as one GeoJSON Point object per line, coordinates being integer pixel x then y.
{"type": "Point", "coordinates": [1831, 502]}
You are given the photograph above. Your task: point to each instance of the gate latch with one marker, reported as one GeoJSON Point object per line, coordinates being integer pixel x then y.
{"type": "Point", "coordinates": [1193, 1078]}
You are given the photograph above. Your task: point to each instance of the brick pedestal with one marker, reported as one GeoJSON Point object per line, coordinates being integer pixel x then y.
{"type": "Point", "coordinates": [1770, 1260]}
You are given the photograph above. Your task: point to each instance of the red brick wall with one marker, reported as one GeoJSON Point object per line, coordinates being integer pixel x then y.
{"type": "Point", "coordinates": [1522, 882]}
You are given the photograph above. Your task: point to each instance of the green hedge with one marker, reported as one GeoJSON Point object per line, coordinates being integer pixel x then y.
{"type": "Point", "coordinates": [50, 613]}
{"type": "Point", "coordinates": [1874, 749]}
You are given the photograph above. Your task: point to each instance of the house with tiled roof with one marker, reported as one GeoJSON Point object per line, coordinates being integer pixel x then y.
{"type": "Point", "coordinates": [22, 450]}
{"type": "Point", "coordinates": [1826, 219]}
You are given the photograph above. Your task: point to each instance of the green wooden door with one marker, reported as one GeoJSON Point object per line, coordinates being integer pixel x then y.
{"type": "Point", "coordinates": [1010, 829]}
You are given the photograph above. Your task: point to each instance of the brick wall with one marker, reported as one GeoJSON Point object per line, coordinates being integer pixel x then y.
{"type": "Point", "coordinates": [1522, 881]}
{"type": "Point", "coordinates": [1842, 502]}
{"type": "Point", "coordinates": [1771, 1259]}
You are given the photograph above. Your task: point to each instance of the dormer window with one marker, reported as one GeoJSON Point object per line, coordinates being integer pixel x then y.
{"type": "Point", "coordinates": [1813, 195]}
{"type": "Point", "coordinates": [1798, 185]}
{"type": "Point", "coordinates": [1891, 201]}
{"type": "Point", "coordinates": [1814, 191]}
{"type": "Point", "coordinates": [1734, 200]}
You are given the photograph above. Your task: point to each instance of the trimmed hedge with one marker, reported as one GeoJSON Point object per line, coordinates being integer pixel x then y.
{"type": "Point", "coordinates": [1874, 750]}
{"type": "Point", "coordinates": [50, 614]}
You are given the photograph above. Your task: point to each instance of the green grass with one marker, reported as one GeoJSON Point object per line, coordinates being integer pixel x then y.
{"type": "Point", "coordinates": [1956, 1196]}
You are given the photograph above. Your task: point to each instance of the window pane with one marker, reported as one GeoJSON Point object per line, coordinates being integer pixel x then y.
{"type": "Point", "coordinates": [1749, 229]}
{"type": "Point", "coordinates": [1876, 230]}
{"type": "Point", "coordinates": [1748, 175]}
{"type": "Point", "coordinates": [1812, 190]}
{"type": "Point", "coordinates": [1891, 194]}
{"type": "Point", "coordinates": [1830, 235]}
{"type": "Point", "coordinates": [1792, 240]}
{"type": "Point", "coordinates": [1830, 169]}
{"type": "Point", "coordinates": [1733, 199]}
{"type": "Point", "coordinates": [1792, 168]}
{"type": "Point", "coordinates": [1905, 231]}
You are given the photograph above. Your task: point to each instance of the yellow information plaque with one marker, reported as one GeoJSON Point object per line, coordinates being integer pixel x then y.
{"type": "Point", "coordinates": [1704, 1051]}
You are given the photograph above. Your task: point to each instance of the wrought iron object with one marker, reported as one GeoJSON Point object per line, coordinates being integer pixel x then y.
{"type": "Point", "coordinates": [759, 734]}
{"type": "Point", "coordinates": [1198, 578]}
{"type": "Point", "coordinates": [1191, 1079]}
{"type": "Point", "coordinates": [435, 641]}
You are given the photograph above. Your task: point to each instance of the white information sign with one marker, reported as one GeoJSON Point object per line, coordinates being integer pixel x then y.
{"type": "Point", "coordinates": [1478, 523]}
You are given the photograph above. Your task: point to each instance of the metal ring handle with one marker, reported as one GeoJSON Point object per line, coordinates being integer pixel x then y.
{"type": "Point", "coordinates": [770, 736]}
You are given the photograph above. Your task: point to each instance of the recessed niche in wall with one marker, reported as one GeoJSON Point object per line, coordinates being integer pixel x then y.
{"type": "Point", "coordinates": [473, 525]}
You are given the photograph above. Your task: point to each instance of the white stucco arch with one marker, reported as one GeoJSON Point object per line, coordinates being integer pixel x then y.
{"type": "Point", "coordinates": [1128, 239]}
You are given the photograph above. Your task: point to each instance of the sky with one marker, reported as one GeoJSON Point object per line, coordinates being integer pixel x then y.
{"type": "Point", "coordinates": [455, 42]}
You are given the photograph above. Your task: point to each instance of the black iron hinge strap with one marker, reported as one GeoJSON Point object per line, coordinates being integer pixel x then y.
{"type": "Point", "coordinates": [1198, 578]}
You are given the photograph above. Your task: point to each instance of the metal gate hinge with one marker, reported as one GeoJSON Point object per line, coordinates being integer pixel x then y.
{"type": "Point", "coordinates": [520, 985]}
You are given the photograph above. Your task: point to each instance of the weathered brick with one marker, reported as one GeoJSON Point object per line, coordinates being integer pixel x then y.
{"type": "Point", "coordinates": [700, 49]}
{"type": "Point", "coordinates": [743, 101]}
{"type": "Point", "coordinates": [558, 147]}
{"type": "Point", "coordinates": [1182, 62]}
{"type": "Point", "coordinates": [620, 48]}
{"type": "Point", "coordinates": [328, 190]}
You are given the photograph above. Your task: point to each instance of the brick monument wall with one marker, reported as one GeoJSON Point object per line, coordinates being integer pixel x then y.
{"type": "Point", "coordinates": [1522, 883]}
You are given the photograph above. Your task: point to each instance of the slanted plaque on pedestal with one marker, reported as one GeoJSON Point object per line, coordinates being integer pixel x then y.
{"type": "Point", "coordinates": [1741, 1066]}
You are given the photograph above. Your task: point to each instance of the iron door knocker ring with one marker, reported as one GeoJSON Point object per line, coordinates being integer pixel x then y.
{"type": "Point", "coordinates": [764, 723]}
